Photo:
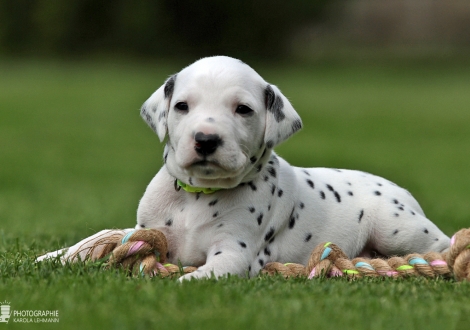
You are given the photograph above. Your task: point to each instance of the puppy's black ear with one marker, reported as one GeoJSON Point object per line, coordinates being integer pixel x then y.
{"type": "Point", "coordinates": [155, 110]}
{"type": "Point", "coordinates": [281, 119]}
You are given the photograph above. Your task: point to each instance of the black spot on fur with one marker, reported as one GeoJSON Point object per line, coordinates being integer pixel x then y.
{"type": "Point", "coordinates": [361, 214]}
{"type": "Point", "coordinates": [401, 208]}
{"type": "Point", "coordinates": [145, 115]}
{"type": "Point", "coordinates": [215, 214]}
{"type": "Point", "coordinates": [249, 268]}
{"type": "Point", "coordinates": [165, 158]}
{"type": "Point", "coordinates": [279, 193]}
{"type": "Point", "coordinates": [322, 195]}
{"type": "Point", "coordinates": [251, 209]}
{"type": "Point", "coordinates": [253, 159]}
{"type": "Point", "coordinates": [220, 225]}
{"type": "Point", "coordinates": [142, 226]}
{"type": "Point", "coordinates": [308, 237]}
{"type": "Point", "coordinates": [259, 167]}
{"type": "Point", "coordinates": [350, 193]}
{"type": "Point", "coordinates": [269, 234]}
{"type": "Point", "coordinates": [338, 197]}
{"type": "Point", "coordinates": [396, 214]}
{"type": "Point", "coordinates": [270, 144]}
{"type": "Point", "coordinates": [349, 183]}
{"type": "Point", "coordinates": [260, 218]}
{"type": "Point", "coordinates": [169, 222]}
{"type": "Point", "coordinates": [306, 172]}
{"type": "Point", "coordinates": [274, 104]}
{"type": "Point", "coordinates": [291, 222]}
{"type": "Point", "coordinates": [330, 188]}
{"type": "Point", "coordinates": [252, 186]}
{"type": "Point", "coordinates": [292, 219]}
{"type": "Point", "coordinates": [272, 171]}
{"type": "Point", "coordinates": [377, 193]}
{"type": "Point", "coordinates": [148, 118]}
{"type": "Point", "coordinates": [267, 252]}
{"type": "Point", "coordinates": [302, 205]}
{"type": "Point", "coordinates": [269, 207]}
{"type": "Point", "coordinates": [161, 115]}
{"type": "Point", "coordinates": [217, 253]}
{"type": "Point", "coordinates": [212, 203]}
{"type": "Point", "coordinates": [395, 232]}
{"type": "Point", "coordinates": [272, 240]}
{"type": "Point", "coordinates": [273, 189]}
{"type": "Point", "coordinates": [379, 184]}
{"type": "Point", "coordinates": [242, 244]}
{"type": "Point", "coordinates": [412, 213]}
{"type": "Point", "coordinates": [169, 86]}
{"type": "Point", "coordinates": [198, 195]}
{"type": "Point", "coordinates": [296, 125]}
{"type": "Point", "coordinates": [261, 262]}
{"type": "Point", "coordinates": [426, 231]}
{"type": "Point", "coordinates": [266, 178]}
{"type": "Point", "coordinates": [310, 183]}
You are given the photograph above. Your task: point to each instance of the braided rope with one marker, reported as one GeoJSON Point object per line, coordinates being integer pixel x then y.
{"type": "Point", "coordinates": [328, 260]}
{"type": "Point", "coordinates": [144, 251]}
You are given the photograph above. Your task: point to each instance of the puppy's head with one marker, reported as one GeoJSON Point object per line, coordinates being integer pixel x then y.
{"type": "Point", "coordinates": [222, 120]}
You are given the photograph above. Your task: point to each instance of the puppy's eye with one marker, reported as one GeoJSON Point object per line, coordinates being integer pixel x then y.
{"type": "Point", "coordinates": [244, 110]}
{"type": "Point", "coordinates": [181, 106]}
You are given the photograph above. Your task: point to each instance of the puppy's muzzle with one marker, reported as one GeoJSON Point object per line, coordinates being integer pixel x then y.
{"type": "Point", "coordinates": [206, 144]}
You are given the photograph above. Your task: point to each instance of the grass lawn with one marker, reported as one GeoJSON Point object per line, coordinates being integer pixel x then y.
{"type": "Point", "coordinates": [75, 158]}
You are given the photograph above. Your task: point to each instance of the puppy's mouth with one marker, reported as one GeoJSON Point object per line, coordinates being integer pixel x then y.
{"type": "Point", "coordinates": [211, 169]}
{"type": "Point", "coordinates": [205, 163]}
{"type": "Point", "coordinates": [206, 168]}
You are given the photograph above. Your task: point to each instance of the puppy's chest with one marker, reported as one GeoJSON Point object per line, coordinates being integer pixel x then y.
{"type": "Point", "coordinates": [191, 226]}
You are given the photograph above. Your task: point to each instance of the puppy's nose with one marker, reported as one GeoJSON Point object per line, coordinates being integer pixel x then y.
{"type": "Point", "coordinates": [206, 144]}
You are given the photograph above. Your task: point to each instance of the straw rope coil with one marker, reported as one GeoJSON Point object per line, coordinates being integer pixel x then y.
{"type": "Point", "coordinates": [142, 251]}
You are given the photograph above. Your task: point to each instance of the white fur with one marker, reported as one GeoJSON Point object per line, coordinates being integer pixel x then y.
{"type": "Point", "coordinates": [267, 210]}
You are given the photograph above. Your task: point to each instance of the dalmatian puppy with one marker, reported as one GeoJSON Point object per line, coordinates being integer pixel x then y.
{"type": "Point", "coordinates": [228, 204]}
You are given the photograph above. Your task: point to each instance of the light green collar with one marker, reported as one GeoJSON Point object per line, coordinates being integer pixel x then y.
{"type": "Point", "coordinates": [191, 189]}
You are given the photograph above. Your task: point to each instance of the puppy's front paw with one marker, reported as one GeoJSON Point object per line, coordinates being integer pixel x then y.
{"type": "Point", "coordinates": [198, 274]}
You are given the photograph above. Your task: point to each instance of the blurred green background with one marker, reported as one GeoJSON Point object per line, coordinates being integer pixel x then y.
{"type": "Point", "coordinates": [382, 86]}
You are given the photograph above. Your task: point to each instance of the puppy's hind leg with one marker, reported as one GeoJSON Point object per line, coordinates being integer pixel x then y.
{"type": "Point", "coordinates": [413, 234]}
